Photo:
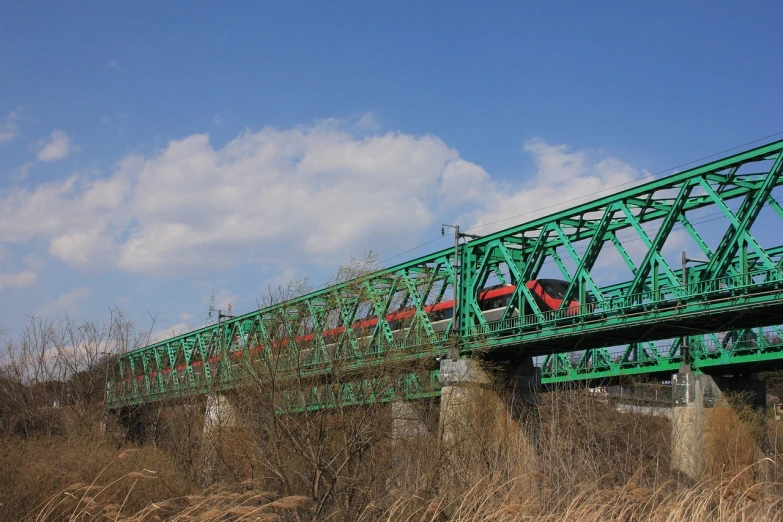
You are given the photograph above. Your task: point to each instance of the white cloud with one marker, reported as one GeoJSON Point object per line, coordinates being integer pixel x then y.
{"type": "Point", "coordinates": [564, 179]}
{"type": "Point", "coordinates": [113, 64]}
{"type": "Point", "coordinates": [367, 123]}
{"type": "Point", "coordinates": [225, 300]}
{"type": "Point", "coordinates": [80, 248]}
{"type": "Point", "coordinates": [287, 275]}
{"type": "Point", "coordinates": [169, 332]}
{"type": "Point", "coordinates": [23, 171]}
{"type": "Point", "coordinates": [57, 148]}
{"type": "Point", "coordinates": [33, 262]}
{"type": "Point", "coordinates": [23, 279]}
{"type": "Point", "coordinates": [217, 120]}
{"type": "Point", "coordinates": [20, 278]}
{"type": "Point", "coordinates": [279, 196]}
{"type": "Point", "coordinates": [9, 128]}
{"type": "Point", "coordinates": [68, 302]}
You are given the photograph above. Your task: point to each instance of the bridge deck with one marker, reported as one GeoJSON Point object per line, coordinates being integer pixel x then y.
{"type": "Point", "coordinates": [389, 316]}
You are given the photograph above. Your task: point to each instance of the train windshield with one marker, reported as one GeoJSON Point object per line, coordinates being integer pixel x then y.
{"type": "Point", "coordinates": [555, 288]}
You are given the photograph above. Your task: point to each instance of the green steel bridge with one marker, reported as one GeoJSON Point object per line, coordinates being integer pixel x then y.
{"type": "Point", "coordinates": [643, 308]}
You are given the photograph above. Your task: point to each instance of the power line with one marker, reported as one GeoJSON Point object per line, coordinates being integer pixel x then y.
{"type": "Point", "coordinates": [327, 283]}
{"type": "Point", "coordinates": [638, 178]}
{"type": "Point", "coordinates": [410, 250]}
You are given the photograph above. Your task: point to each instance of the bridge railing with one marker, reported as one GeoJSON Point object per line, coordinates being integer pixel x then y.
{"type": "Point", "coordinates": [715, 349]}
{"type": "Point", "coordinates": [203, 375]}
{"type": "Point", "coordinates": [302, 362]}
{"type": "Point", "coordinates": [753, 281]}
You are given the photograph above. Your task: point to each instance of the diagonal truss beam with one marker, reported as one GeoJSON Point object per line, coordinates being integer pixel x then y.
{"type": "Point", "coordinates": [514, 255]}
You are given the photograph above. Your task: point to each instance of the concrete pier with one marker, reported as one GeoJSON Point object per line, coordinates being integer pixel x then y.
{"type": "Point", "coordinates": [717, 425]}
{"type": "Point", "coordinates": [219, 415]}
{"type": "Point", "coordinates": [487, 410]}
{"type": "Point", "coordinates": [465, 388]}
{"type": "Point", "coordinates": [409, 438]}
{"type": "Point", "coordinates": [138, 423]}
{"type": "Point", "coordinates": [406, 422]}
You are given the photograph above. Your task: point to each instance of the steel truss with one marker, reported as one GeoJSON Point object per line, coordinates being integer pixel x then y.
{"type": "Point", "coordinates": [746, 350]}
{"type": "Point", "coordinates": [383, 317]}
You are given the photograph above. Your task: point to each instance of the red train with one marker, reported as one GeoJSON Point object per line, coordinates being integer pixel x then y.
{"type": "Point", "coordinates": [548, 294]}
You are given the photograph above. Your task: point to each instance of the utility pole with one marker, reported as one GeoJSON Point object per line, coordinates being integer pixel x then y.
{"type": "Point", "coordinates": [454, 349]}
{"type": "Point", "coordinates": [221, 315]}
{"type": "Point", "coordinates": [107, 356]}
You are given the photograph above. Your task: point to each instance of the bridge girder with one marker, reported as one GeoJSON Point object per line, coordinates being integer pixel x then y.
{"type": "Point", "coordinates": [358, 321]}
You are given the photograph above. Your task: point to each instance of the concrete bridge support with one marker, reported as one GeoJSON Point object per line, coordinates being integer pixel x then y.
{"type": "Point", "coordinates": [409, 439]}
{"type": "Point", "coordinates": [489, 411]}
{"type": "Point", "coordinates": [407, 423]}
{"type": "Point", "coordinates": [138, 423]}
{"type": "Point", "coordinates": [219, 415]}
{"type": "Point", "coordinates": [718, 425]}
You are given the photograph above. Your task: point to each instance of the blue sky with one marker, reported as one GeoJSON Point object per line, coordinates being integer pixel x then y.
{"type": "Point", "coordinates": [151, 152]}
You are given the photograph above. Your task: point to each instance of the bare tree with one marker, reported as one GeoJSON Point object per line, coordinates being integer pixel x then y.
{"type": "Point", "coordinates": [309, 418]}
{"type": "Point", "coordinates": [56, 370]}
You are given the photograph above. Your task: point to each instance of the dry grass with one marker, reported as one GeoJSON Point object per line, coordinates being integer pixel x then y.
{"type": "Point", "coordinates": [499, 458]}
{"type": "Point", "coordinates": [83, 503]}
{"type": "Point", "coordinates": [491, 501]}
{"type": "Point", "coordinates": [487, 500]}
{"type": "Point", "coordinates": [589, 463]}
{"type": "Point", "coordinates": [46, 478]}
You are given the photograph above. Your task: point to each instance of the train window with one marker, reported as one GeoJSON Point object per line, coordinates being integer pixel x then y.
{"type": "Point", "coordinates": [491, 304]}
{"type": "Point", "coordinates": [556, 291]}
{"type": "Point", "coordinates": [441, 315]}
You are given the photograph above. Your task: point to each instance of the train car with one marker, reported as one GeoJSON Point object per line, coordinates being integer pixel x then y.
{"type": "Point", "coordinates": [547, 293]}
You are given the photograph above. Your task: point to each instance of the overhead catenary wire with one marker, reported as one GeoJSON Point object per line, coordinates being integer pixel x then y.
{"type": "Point", "coordinates": [534, 211]}
{"type": "Point", "coordinates": [632, 238]}
{"type": "Point", "coordinates": [623, 240]}
{"type": "Point", "coordinates": [699, 220]}
{"type": "Point", "coordinates": [636, 179]}
{"type": "Point", "coordinates": [595, 193]}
